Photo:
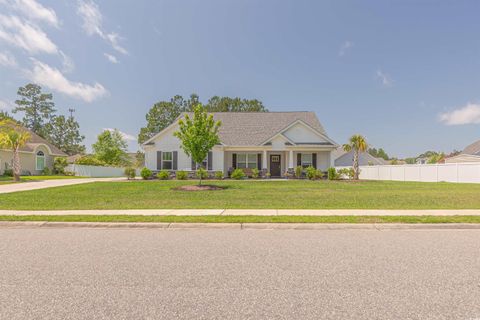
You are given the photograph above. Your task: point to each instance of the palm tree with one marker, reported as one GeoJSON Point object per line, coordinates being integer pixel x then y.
{"type": "Point", "coordinates": [357, 143]}
{"type": "Point", "coordinates": [13, 136]}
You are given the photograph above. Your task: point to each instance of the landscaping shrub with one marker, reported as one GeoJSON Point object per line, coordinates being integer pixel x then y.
{"type": "Point", "coordinates": [351, 173]}
{"type": "Point", "coordinates": [255, 173]}
{"type": "Point", "coordinates": [219, 175]}
{"type": "Point", "coordinates": [90, 160]}
{"type": "Point", "coordinates": [46, 171]}
{"type": "Point", "coordinates": [268, 175]}
{"type": "Point", "coordinates": [346, 173]}
{"type": "Point", "coordinates": [8, 172]}
{"type": "Point", "coordinates": [202, 174]}
{"type": "Point", "coordinates": [163, 175]}
{"type": "Point", "coordinates": [146, 173]}
{"type": "Point", "coordinates": [237, 174]}
{"type": "Point", "coordinates": [298, 172]}
{"type": "Point", "coordinates": [130, 173]}
{"type": "Point", "coordinates": [332, 173]}
{"type": "Point", "coordinates": [313, 173]}
{"type": "Point", "coordinates": [59, 165]}
{"type": "Point", "coordinates": [181, 175]}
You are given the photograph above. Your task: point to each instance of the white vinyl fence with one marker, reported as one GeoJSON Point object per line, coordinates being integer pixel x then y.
{"type": "Point", "coordinates": [96, 171]}
{"type": "Point", "coordinates": [449, 172]}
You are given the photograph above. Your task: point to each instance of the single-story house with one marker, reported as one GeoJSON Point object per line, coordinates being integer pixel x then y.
{"type": "Point", "coordinates": [345, 159]}
{"type": "Point", "coordinates": [470, 154]}
{"type": "Point", "coordinates": [35, 155]}
{"type": "Point", "coordinates": [273, 142]}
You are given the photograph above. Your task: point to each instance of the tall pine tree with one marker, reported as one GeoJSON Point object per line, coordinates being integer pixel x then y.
{"type": "Point", "coordinates": [38, 108]}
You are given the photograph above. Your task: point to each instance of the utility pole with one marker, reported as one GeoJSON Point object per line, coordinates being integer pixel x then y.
{"type": "Point", "coordinates": [71, 110]}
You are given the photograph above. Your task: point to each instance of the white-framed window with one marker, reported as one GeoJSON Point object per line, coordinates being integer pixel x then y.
{"type": "Point", "coordinates": [40, 161]}
{"type": "Point", "coordinates": [167, 160]}
{"type": "Point", "coordinates": [307, 160]}
{"type": "Point", "coordinates": [246, 160]}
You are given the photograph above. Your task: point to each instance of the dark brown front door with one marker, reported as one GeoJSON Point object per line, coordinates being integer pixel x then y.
{"type": "Point", "coordinates": [275, 165]}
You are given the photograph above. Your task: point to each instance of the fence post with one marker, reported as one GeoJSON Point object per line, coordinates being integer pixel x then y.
{"type": "Point", "coordinates": [458, 178]}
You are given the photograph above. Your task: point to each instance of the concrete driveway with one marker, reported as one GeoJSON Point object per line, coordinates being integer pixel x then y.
{"type": "Point", "coordinates": [34, 185]}
{"type": "Point", "coordinates": [239, 274]}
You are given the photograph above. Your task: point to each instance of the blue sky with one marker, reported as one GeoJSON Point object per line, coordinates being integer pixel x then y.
{"type": "Point", "coordinates": [403, 73]}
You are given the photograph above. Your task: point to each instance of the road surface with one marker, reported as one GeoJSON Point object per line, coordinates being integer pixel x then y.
{"type": "Point", "coordinates": [78, 273]}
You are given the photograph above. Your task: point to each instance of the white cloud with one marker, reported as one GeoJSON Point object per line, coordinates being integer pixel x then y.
{"type": "Point", "coordinates": [386, 80]}
{"type": "Point", "coordinates": [52, 78]}
{"type": "Point", "coordinates": [6, 105]}
{"type": "Point", "coordinates": [35, 11]}
{"type": "Point", "coordinates": [7, 59]}
{"type": "Point", "coordinates": [67, 63]}
{"type": "Point", "coordinates": [111, 58]}
{"type": "Point", "coordinates": [345, 47]}
{"type": "Point", "coordinates": [25, 35]}
{"type": "Point", "coordinates": [469, 114]}
{"type": "Point", "coordinates": [125, 136]}
{"type": "Point", "coordinates": [92, 24]}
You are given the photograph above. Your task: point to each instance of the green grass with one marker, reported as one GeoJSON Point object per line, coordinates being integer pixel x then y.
{"type": "Point", "coordinates": [5, 180]}
{"type": "Point", "coordinates": [250, 219]}
{"type": "Point", "coordinates": [292, 194]}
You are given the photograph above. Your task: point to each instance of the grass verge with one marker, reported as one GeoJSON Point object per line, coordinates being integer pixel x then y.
{"type": "Point", "coordinates": [247, 219]}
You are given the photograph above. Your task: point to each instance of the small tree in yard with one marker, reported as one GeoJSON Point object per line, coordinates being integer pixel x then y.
{"type": "Point", "coordinates": [358, 144]}
{"type": "Point", "coordinates": [198, 135]}
{"type": "Point", "coordinates": [13, 136]}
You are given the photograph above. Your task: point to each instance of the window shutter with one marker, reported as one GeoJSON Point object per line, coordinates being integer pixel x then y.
{"type": "Point", "coordinates": [259, 161]}
{"type": "Point", "coordinates": [234, 160]}
{"type": "Point", "coordinates": [175, 160]}
{"type": "Point", "coordinates": [209, 160]}
{"type": "Point", "coordinates": [159, 160]}
{"type": "Point", "coordinates": [194, 166]}
{"type": "Point", "coordinates": [299, 159]}
{"type": "Point", "coordinates": [314, 160]}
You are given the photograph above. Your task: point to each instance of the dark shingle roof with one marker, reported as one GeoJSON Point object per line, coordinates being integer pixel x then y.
{"type": "Point", "coordinates": [254, 128]}
{"type": "Point", "coordinates": [473, 149]}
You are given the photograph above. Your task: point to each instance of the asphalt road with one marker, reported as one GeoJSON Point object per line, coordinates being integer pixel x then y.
{"type": "Point", "coordinates": [239, 274]}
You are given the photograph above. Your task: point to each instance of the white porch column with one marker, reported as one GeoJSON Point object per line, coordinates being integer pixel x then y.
{"type": "Point", "coordinates": [290, 159]}
{"type": "Point", "coordinates": [264, 159]}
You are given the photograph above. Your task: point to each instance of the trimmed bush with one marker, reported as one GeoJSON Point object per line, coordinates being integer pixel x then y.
{"type": "Point", "coordinates": [90, 160]}
{"type": "Point", "coordinates": [332, 173]}
{"type": "Point", "coordinates": [313, 173]}
{"type": "Point", "coordinates": [237, 174]}
{"type": "Point", "coordinates": [181, 175]}
{"type": "Point", "coordinates": [201, 174]}
{"type": "Point", "coordinates": [146, 173]}
{"type": "Point", "coordinates": [298, 172]}
{"type": "Point", "coordinates": [163, 175]}
{"type": "Point", "coordinates": [46, 171]}
{"type": "Point", "coordinates": [130, 173]}
{"type": "Point", "coordinates": [59, 165]}
{"type": "Point", "coordinates": [346, 173]}
{"type": "Point", "coordinates": [255, 173]}
{"type": "Point", "coordinates": [219, 175]}
{"type": "Point", "coordinates": [8, 173]}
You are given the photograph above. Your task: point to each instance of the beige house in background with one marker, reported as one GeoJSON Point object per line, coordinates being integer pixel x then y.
{"type": "Point", "coordinates": [470, 154]}
{"type": "Point", "coordinates": [36, 155]}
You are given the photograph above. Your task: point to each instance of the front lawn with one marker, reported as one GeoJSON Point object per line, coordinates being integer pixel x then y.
{"type": "Point", "coordinates": [292, 194]}
{"type": "Point", "coordinates": [5, 179]}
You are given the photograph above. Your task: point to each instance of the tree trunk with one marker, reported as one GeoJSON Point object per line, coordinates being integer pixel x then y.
{"type": "Point", "coordinates": [200, 181]}
{"type": "Point", "coordinates": [16, 165]}
{"type": "Point", "coordinates": [355, 165]}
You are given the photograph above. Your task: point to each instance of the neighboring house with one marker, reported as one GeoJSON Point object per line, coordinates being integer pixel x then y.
{"type": "Point", "coordinates": [35, 155]}
{"type": "Point", "coordinates": [272, 142]}
{"type": "Point", "coordinates": [470, 154]}
{"type": "Point", "coordinates": [421, 160]}
{"type": "Point", "coordinates": [345, 159]}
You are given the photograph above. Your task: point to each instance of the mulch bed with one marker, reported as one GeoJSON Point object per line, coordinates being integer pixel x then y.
{"type": "Point", "coordinates": [203, 187]}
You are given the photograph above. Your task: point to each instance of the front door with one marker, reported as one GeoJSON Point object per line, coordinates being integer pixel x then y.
{"type": "Point", "coordinates": [275, 165]}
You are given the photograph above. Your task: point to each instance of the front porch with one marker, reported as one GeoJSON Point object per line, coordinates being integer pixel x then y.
{"type": "Point", "coordinates": [276, 162]}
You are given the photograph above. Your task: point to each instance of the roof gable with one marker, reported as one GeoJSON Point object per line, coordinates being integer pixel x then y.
{"type": "Point", "coordinates": [473, 149]}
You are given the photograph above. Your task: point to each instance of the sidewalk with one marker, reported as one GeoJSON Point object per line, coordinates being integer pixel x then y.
{"type": "Point", "coordinates": [34, 185]}
{"type": "Point", "coordinates": [247, 212]}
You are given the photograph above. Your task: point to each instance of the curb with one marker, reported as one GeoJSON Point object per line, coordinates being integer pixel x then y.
{"type": "Point", "coordinates": [241, 226]}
